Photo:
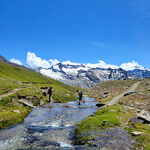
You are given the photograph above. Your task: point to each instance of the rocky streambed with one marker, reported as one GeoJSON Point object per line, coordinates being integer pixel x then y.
{"type": "Point", "coordinates": [50, 127]}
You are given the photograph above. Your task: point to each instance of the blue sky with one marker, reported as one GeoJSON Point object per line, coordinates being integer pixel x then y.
{"type": "Point", "coordinates": [85, 31]}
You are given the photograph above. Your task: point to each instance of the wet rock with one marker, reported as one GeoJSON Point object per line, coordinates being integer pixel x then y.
{"type": "Point", "coordinates": [66, 106]}
{"type": "Point", "coordinates": [136, 133]}
{"type": "Point", "coordinates": [130, 93]}
{"type": "Point", "coordinates": [100, 105]}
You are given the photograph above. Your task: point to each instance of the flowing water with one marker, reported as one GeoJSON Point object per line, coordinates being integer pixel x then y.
{"type": "Point", "coordinates": [49, 128]}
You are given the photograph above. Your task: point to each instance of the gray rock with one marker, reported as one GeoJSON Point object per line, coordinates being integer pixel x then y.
{"type": "Point", "coordinates": [143, 117]}
{"type": "Point", "coordinates": [136, 133]}
{"type": "Point", "coordinates": [16, 111]}
{"type": "Point", "coordinates": [130, 93]}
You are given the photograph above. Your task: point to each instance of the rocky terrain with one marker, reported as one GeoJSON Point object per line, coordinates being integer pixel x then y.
{"type": "Point", "coordinates": [124, 116]}
{"type": "Point", "coordinates": [82, 76]}
{"type": "Point", "coordinates": [85, 76]}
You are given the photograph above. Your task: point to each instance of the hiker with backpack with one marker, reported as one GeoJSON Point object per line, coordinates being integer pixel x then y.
{"type": "Point", "coordinates": [80, 94]}
{"type": "Point", "coordinates": [50, 92]}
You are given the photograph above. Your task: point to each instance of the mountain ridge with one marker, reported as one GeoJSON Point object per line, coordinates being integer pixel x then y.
{"type": "Point", "coordinates": [84, 75]}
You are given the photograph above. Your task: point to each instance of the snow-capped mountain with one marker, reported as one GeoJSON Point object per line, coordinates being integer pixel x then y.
{"type": "Point", "coordinates": [81, 75]}
{"type": "Point", "coordinates": [85, 75]}
{"type": "Point", "coordinates": [140, 74]}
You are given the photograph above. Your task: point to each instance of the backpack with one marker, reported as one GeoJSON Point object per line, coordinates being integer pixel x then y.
{"type": "Point", "coordinates": [81, 92]}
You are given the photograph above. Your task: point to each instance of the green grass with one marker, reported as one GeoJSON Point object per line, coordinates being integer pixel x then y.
{"type": "Point", "coordinates": [143, 141]}
{"type": "Point", "coordinates": [7, 115]}
{"type": "Point", "coordinates": [95, 123]}
{"type": "Point", "coordinates": [120, 116]}
{"type": "Point", "coordinates": [30, 82]}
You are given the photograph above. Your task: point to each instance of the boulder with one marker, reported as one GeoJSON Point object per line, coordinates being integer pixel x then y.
{"type": "Point", "coordinates": [130, 93]}
{"type": "Point", "coordinates": [144, 115]}
{"type": "Point", "coordinates": [136, 133]}
{"type": "Point", "coordinates": [100, 105]}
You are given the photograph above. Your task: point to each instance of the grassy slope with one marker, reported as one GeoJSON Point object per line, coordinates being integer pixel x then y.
{"type": "Point", "coordinates": [12, 77]}
{"type": "Point", "coordinates": [140, 100]}
{"type": "Point", "coordinates": [120, 116]}
{"type": "Point", "coordinates": [113, 87]}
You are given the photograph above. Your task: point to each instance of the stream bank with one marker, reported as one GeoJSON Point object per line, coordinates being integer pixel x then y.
{"type": "Point", "coordinates": [48, 128]}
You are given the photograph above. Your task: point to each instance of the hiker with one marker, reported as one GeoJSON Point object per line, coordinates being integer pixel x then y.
{"type": "Point", "coordinates": [50, 92]}
{"type": "Point", "coordinates": [80, 94]}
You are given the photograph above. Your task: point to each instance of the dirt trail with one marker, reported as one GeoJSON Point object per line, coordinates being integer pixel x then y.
{"type": "Point", "coordinates": [9, 93]}
{"type": "Point", "coordinates": [117, 98]}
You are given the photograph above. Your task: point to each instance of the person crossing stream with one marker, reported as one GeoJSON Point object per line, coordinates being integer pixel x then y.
{"type": "Point", "coordinates": [49, 128]}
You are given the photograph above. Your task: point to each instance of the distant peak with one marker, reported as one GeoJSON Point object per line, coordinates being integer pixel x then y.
{"type": "Point", "coordinates": [2, 59]}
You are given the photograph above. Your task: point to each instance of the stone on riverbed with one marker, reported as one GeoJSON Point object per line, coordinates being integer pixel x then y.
{"type": "Point", "coordinates": [66, 106]}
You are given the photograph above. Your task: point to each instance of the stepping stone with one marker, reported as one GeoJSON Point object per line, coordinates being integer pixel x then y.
{"type": "Point", "coordinates": [66, 106]}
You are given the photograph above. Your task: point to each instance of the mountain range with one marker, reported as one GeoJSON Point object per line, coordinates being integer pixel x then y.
{"type": "Point", "coordinates": [87, 75]}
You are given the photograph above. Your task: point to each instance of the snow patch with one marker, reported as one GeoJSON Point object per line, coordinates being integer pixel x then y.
{"type": "Point", "coordinates": [51, 74]}
{"type": "Point", "coordinates": [16, 61]}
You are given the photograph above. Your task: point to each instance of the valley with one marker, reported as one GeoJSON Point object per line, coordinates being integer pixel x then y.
{"type": "Point", "coordinates": [112, 111]}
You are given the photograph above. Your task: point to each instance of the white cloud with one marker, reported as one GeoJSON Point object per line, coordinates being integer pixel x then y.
{"type": "Point", "coordinates": [54, 61]}
{"type": "Point", "coordinates": [101, 64]}
{"type": "Point", "coordinates": [70, 63]}
{"type": "Point", "coordinates": [16, 61]}
{"type": "Point", "coordinates": [131, 66]}
{"type": "Point", "coordinates": [35, 62]}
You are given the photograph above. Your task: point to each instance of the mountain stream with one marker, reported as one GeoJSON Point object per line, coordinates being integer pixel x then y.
{"type": "Point", "coordinates": [48, 128]}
